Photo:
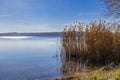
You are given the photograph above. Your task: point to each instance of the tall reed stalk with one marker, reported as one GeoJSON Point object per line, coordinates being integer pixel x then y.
{"type": "Point", "coordinates": [98, 43]}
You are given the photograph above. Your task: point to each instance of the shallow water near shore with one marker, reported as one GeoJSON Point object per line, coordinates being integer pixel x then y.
{"type": "Point", "coordinates": [28, 58]}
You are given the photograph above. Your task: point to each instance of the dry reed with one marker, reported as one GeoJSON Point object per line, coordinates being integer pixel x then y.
{"type": "Point", "coordinates": [98, 43]}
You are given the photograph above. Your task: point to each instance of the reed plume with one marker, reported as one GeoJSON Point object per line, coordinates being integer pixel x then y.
{"type": "Point", "coordinates": [98, 43]}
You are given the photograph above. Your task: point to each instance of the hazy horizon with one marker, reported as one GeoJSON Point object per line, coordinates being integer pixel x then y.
{"type": "Point", "coordinates": [34, 32]}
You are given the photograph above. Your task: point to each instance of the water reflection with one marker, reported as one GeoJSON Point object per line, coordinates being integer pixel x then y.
{"type": "Point", "coordinates": [69, 66]}
{"type": "Point", "coordinates": [28, 59]}
{"type": "Point", "coordinates": [35, 59]}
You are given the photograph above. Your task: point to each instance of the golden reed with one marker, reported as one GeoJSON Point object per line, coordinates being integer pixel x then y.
{"type": "Point", "coordinates": [98, 43]}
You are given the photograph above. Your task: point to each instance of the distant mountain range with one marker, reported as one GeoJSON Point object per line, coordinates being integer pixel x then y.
{"type": "Point", "coordinates": [49, 34]}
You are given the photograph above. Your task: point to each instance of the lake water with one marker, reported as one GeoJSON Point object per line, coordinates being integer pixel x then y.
{"type": "Point", "coordinates": [28, 58]}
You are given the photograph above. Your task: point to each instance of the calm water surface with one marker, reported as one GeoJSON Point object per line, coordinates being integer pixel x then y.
{"type": "Point", "coordinates": [28, 58]}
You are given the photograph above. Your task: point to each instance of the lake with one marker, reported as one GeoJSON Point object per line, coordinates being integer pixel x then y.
{"type": "Point", "coordinates": [29, 58]}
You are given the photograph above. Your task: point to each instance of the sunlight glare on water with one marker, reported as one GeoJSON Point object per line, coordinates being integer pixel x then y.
{"type": "Point", "coordinates": [14, 37]}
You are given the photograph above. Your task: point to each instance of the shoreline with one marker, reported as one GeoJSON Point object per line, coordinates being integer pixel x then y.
{"type": "Point", "coordinates": [109, 72]}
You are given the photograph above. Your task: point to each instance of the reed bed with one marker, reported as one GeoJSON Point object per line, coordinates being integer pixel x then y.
{"type": "Point", "coordinates": [97, 43]}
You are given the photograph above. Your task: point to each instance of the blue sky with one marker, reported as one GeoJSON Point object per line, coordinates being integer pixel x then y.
{"type": "Point", "coordinates": [46, 15]}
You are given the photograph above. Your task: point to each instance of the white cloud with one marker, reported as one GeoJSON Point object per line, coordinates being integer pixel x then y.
{"type": "Point", "coordinates": [5, 15]}
{"type": "Point", "coordinates": [13, 3]}
{"type": "Point", "coordinates": [90, 14]}
{"type": "Point", "coordinates": [19, 5]}
{"type": "Point", "coordinates": [26, 28]}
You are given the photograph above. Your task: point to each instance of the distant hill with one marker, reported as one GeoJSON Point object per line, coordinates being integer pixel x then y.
{"type": "Point", "coordinates": [48, 34]}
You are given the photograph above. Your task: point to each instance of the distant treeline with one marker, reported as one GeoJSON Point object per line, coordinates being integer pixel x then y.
{"type": "Point", "coordinates": [54, 34]}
